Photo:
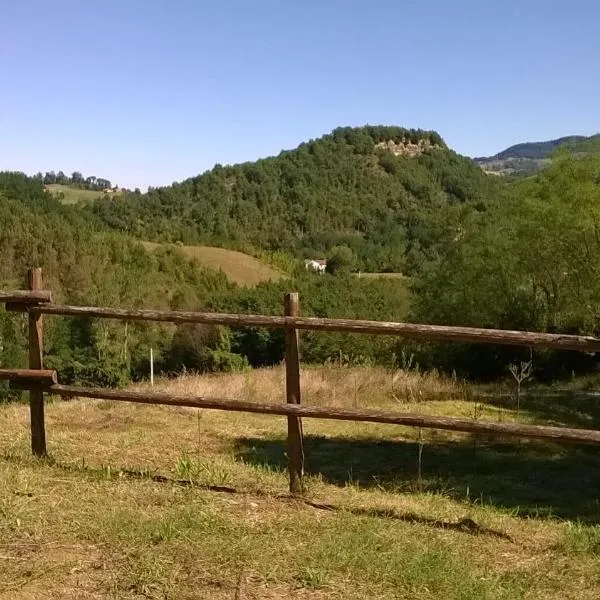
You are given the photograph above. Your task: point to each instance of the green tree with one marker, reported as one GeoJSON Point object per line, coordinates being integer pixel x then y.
{"type": "Point", "coordinates": [529, 262]}
{"type": "Point", "coordinates": [341, 260]}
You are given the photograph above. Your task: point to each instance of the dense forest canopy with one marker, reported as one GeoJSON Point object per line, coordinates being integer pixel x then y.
{"type": "Point", "coordinates": [539, 149]}
{"type": "Point", "coordinates": [86, 263]}
{"type": "Point", "coordinates": [76, 180]}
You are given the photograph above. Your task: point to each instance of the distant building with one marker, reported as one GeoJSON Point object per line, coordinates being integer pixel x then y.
{"type": "Point", "coordinates": [318, 266]}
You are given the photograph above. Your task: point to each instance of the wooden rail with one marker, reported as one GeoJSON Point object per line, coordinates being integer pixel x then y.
{"type": "Point", "coordinates": [28, 376]}
{"type": "Point", "coordinates": [26, 297]}
{"type": "Point", "coordinates": [555, 434]}
{"type": "Point", "coordinates": [37, 302]}
{"type": "Point", "coordinates": [438, 333]}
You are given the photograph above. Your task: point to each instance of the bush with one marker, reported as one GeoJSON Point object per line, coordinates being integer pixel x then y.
{"type": "Point", "coordinates": [341, 260]}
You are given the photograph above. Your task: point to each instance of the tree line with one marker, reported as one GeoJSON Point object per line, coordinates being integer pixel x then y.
{"type": "Point", "coordinates": [76, 180]}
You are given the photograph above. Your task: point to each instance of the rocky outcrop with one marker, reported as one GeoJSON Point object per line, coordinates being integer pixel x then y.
{"type": "Point", "coordinates": [406, 147]}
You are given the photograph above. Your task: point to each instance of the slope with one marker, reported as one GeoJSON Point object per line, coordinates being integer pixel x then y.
{"type": "Point", "coordinates": [539, 149]}
{"type": "Point", "coordinates": [378, 190]}
{"type": "Point", "coordinates": [240, 268]}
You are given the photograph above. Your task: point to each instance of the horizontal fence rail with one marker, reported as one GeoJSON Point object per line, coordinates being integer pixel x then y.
{"type": "Point", "coordinates": [437, 333]}
{"type": "Point", "coordinates": [561, 434]}
{"type": "Point", "coordinates": [26, 376]}
{"type": "Point", "coordinates": [39, 381]}
{"type": "Point", "coordinates": [24, 297]}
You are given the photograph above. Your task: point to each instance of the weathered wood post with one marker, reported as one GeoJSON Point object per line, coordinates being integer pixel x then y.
{"type": "Point", "coordinates": [292, 390]}
{"type": "Point", "coordinates": [36, 361]}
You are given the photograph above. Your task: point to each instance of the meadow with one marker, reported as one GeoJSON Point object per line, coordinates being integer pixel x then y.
{"type": "Point", "coordinates": [154, 502]}
{"type": "Point", "coordinates": [71, 195]}
{"type": "Point", "coordinates": [240, 268]}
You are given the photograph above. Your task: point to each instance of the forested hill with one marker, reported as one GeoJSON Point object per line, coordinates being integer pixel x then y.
{"type": "Point", "coordinates": [530, 157]}
{"type": "Point", "coordinates": [377, 190]}
{"type": "Point", "coordinates": [539, 149]}
{"type": "Point", "coordinates": [84, 265]}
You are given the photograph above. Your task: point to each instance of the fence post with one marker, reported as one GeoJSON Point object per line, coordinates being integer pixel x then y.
{"type": "Point", "coordinates": [292, 391]}
{"type": "Point", "coordinates": [36, 361]}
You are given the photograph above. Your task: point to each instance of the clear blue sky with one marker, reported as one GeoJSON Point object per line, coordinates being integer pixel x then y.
{"type": "Point", "coordinates": [146, 92]}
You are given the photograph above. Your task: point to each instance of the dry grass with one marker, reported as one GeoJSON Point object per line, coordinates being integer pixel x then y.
{"type": "Point", "coordinates": [240, 268]}
{"type": "Point", "coordinates": [323, 386]}
{"type": "Point", "coordinates": [154, 502]}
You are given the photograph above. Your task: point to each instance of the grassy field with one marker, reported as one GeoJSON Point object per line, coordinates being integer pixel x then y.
{"type": "Point", "coordinates": [70, 195]}
{"type": "Point", "coordinates": [239, 267]}
{"type": "Point", "coordinates": [155, 502]}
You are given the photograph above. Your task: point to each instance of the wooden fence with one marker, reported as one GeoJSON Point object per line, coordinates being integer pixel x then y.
{"type": "Point", "coordinates": [37, 302]}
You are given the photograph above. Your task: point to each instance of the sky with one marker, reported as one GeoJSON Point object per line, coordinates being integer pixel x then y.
{"type": "Point", "coordinates": [147, 92]}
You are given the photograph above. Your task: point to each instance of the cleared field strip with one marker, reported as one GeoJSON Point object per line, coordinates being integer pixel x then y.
{"type": "Point", "coordinates": [240, 268]}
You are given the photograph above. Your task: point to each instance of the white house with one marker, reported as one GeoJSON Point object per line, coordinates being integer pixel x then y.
{"type": "Point", "coordinates": [318, 266]}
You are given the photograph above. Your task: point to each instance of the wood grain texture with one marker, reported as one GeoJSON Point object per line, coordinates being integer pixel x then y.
{"type": "Point", "coordinates": [25, 297]}
{"type": "Point", "coordinates": [36, 362]}
{"type": "Point", "coordinates": [440, 333]}
{"type": "Point", "coordinates": [293, 396]}
{"type": "Point", "coordinates": [556, 434]}
{"type": "Point", "coordinates": [43, 377]}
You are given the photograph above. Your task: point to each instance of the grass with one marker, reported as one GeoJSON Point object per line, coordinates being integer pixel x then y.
{"type": "Point", "coordinates": [155, 502]}
{"type": "Point", "coordinates": [71, 195]}
{"type": "Point", "coordinates": [240, 268]}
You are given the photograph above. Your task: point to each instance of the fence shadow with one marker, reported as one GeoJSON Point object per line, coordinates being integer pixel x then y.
{"type": "Point", "coordinates": [529, 478]}
{"type": "Point", "coordinates": [562, 409]}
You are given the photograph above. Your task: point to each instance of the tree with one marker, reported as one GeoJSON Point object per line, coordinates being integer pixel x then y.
{"type": "Point", "coordinates": [529, 262]}
{"type": "Point", "coordinates": [341, 260]}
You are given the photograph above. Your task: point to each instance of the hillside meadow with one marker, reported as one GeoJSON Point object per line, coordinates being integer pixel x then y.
{"type": "Point", "coordinates": [155, 502]}
{"type": "Point", "coordinates": [239, 267]}
{"type": "Point", "coordinates": [68, 194]}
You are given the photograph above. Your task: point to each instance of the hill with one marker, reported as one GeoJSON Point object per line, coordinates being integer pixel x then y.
{"type": "Point", "coordinates": [539, 149]}
{"type": "Point", "coordinates": [86, 263]}
{"type": "Point", "coordinates": [240, 268]}
{"type": "Point", "coordinates": [385, 192]}
{"type": "Point", "coordinates": [530, 157]}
